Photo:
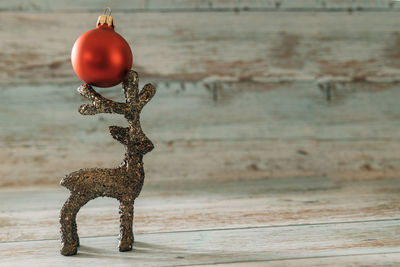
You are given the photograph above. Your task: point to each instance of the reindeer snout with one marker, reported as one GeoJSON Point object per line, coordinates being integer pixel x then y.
{"type": "Point", "coordinates": [143, 144]}
{"type": "Point", "coordinates": [149, 146]}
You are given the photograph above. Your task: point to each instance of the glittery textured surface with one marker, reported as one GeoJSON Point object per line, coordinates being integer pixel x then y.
{"type": "Point", "coordinates": [124, 182]}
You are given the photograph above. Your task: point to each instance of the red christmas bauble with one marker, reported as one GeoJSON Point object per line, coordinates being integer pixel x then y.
{"type": "Point", "coordinates": [101, 57]}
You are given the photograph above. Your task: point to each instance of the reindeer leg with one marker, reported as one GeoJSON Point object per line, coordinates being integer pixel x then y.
{"type": "Point", "coordinates": [126, 220]}
{"type": "Point", "coordinates": [69, 234]}
{"type": "Point", "coordinates": [75, 231]}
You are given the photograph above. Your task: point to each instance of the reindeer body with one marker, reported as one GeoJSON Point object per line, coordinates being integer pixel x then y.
{"type": "Point", "coordinates": [124, 182]}
{"type": "Point", "coordinates": [101, 182]}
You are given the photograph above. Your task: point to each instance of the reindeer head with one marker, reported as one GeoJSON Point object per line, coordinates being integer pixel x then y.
{"type": "Point", "coordinates": [133, 137]}
{"type": "Point", "coordinates": [138, 143]}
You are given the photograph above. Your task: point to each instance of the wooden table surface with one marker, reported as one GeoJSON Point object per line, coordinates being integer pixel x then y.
{"type": "Point", "coordinates": [278, 222]}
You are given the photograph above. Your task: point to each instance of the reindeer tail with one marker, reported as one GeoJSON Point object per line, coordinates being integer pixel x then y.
{"type": "Point", "coordinates": [70, 180]}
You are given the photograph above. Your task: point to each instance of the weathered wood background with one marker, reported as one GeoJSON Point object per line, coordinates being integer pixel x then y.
{"type": "Point", "coordinates": [243, 82]}
{"type": "Point", "coordinates": [200, 5]}
{"type": "Point", "coordinates": [245, 138]}
{"type": "Point", "coordinates": [196, 46]}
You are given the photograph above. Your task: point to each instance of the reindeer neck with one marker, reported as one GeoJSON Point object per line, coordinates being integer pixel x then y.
{"type": "Point", "coordinates": [133, 159]}
{"type": "Point", "coordinates": [134, 124]}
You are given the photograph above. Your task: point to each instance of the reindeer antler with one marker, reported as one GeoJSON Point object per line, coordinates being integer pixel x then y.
{"type": "Point", "coordinates": [132, 95]}
{"type": "Point", "coordinates": [101, 104]}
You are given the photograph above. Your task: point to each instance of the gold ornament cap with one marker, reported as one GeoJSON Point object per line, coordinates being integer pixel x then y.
{"type": "Point", "coordinates": [106, 19]}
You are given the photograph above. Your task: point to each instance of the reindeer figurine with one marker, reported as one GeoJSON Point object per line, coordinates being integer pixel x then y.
{"type": "Point", "coordinates": [124, 182]}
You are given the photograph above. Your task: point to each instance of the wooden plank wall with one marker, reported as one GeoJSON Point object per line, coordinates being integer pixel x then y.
{"type": "Point", "coordinates": [207, 46]}
{"type": "Point", "coordinates": [199, 5]}
{"type": "Point", "coordinates": [238, 93]}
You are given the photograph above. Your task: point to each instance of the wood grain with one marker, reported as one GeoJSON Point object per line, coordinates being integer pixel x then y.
{"type": "Point", "coordinates": [193, 5]}
{"type": "Point", "coordinates": [384, 259]}
{"type": "Point", "coordinates": [219, 246]}
{"type": "Point", "coordinates": [285, 46]}
{"type": "Point", "coordinates": [272, 130]}
{"type": "Point", "coordinates": [190, 205]}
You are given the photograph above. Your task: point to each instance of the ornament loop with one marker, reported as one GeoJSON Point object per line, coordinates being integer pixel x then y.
{"type": "Point", "coordinates": [109, 10]}
{"type": "Point", "coordinates": [106, 19]}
